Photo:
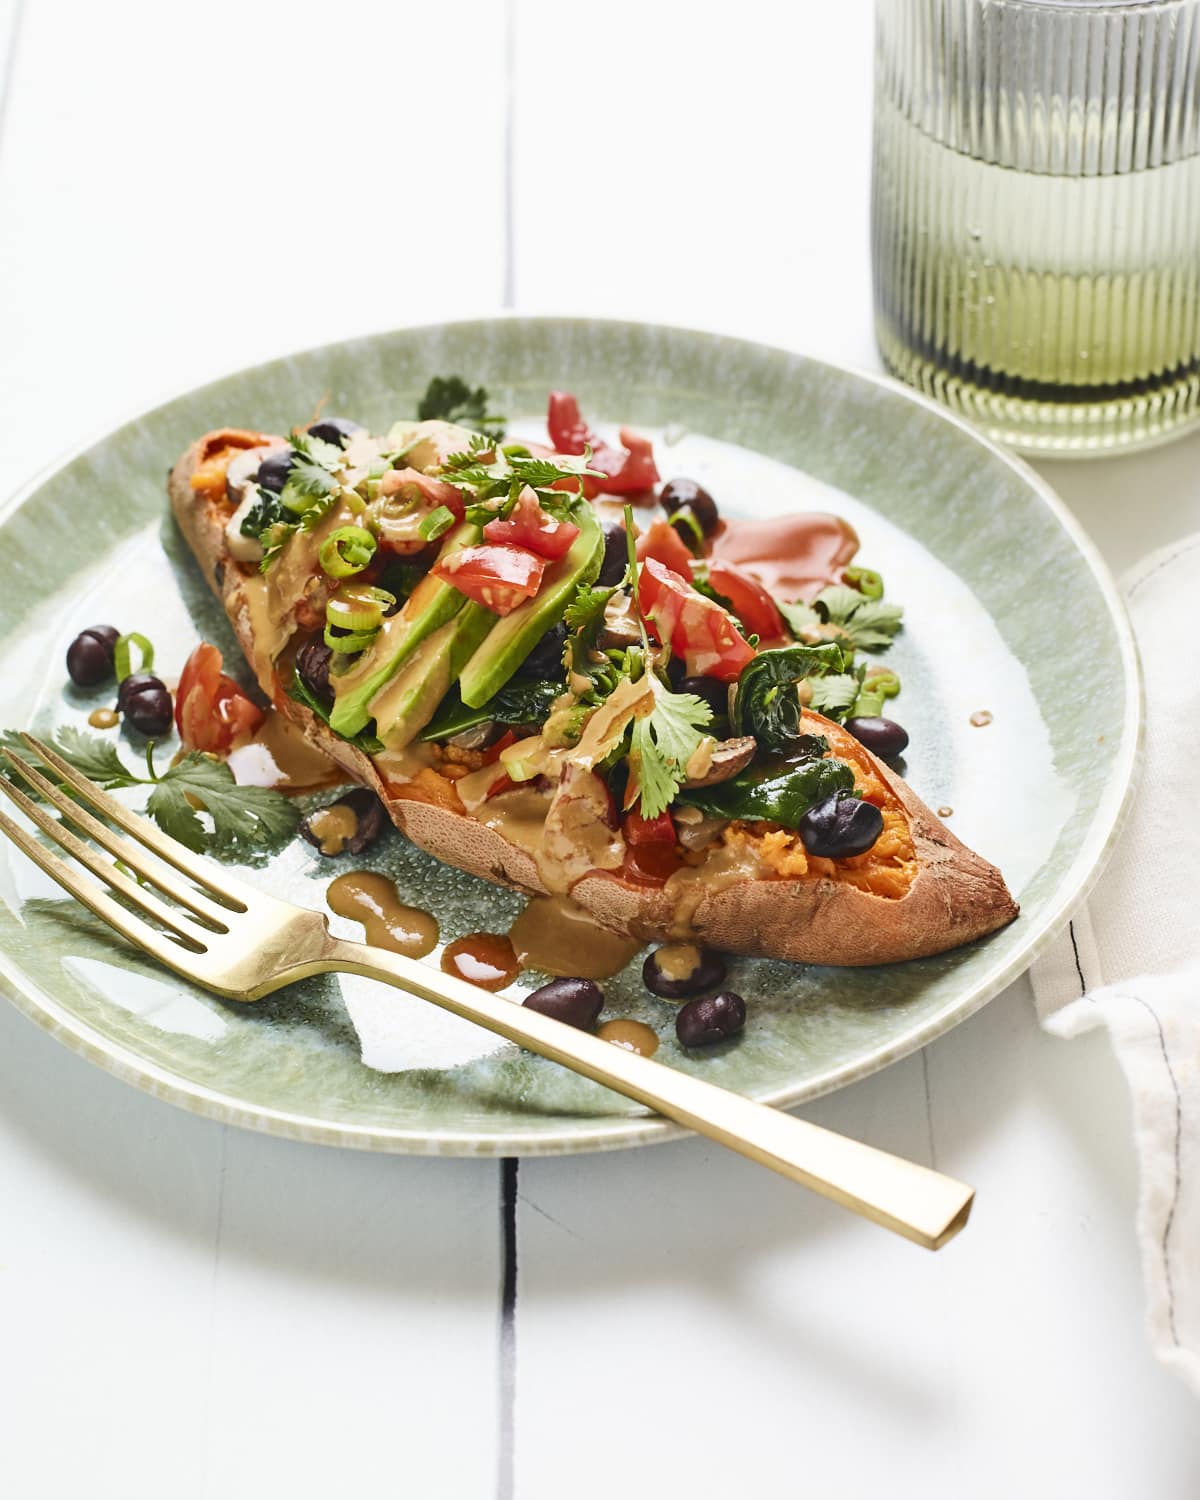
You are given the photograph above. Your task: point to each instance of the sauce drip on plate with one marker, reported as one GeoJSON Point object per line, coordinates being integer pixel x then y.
{"type": "Point", "coordinates": [484, 958]}
{"type": "Point", "coordinates": [794, 557]}
{"type": "Point", "coordinates": [278, 755]}
{"type": "Point", "coordinates": [632, 1035]}
{"type": "Point", "coordinates": [558, 937]}
{"type": "Point", "coordinates": [386, 920]}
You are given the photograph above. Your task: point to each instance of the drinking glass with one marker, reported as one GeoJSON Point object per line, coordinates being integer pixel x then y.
{"type": "Point", "coordinates": [1036, 214]}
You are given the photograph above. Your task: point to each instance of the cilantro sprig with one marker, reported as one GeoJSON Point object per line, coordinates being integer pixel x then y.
{"type": "Point", "coordinates": [241, 820]}
{"type": "Point", "coordinates": [862, 623]}
{"type": "Point", "coordinates": [451, 399]}
{"type": "Point", "coordinates": [663, 742]}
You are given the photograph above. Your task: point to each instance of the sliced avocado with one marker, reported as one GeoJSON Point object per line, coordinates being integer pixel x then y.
{"type": "Point", "coordinates": [507, 646]}
{"type": "Point", "coordinates": [429, 606]}
{"type": "Point", "coordinates": [406, 703]}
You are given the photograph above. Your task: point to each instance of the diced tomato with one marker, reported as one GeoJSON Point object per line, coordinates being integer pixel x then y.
{"type": "Point", "coordinates": [494, 752]}
{"type": "Point", "coordinates": [430, 491]}
{"type": "Point", "coordinates": [650, 864]}
{"type": "Point", "coordinates": [626, 469]}
{"type": "Point", "coordinates": [640, 831]}
{"type": "Point", "coordinates": [531, 526]}
{"type": "Point", "coordinates": [662, 542]}
{"type": "Point", "coordinates": [698, 629]}
{"type": "Point", "coordinates": [569, 433]}
{"type": "Point", "coordinates": [502, 783]}
{"type": "Point", "coordinates": [498, 577]}
{"type": "Point", "coordinates": [752, 604]}
{"type": "Point", "coordinates": [211, 711]}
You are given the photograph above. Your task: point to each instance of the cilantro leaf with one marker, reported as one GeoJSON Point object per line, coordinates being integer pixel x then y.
{"type": "Point", "coordinates": [662, 744]}
{"type": "Point", "coordinates": [93, 757]}
{"type": "Point", "coordinates": [245, 818]}
{"type": "Point", "coordinates": [587, 607]}
{"type": "Point", "coordinates": [834, 694]}
{"type": "Point", "coordinates": [799, 616]}
{"type": "Point", "coordinates": [874, 624]}
{"type": "Point", "coordinates": [450, 398]}
{"type": "Point", "coordinates": [317, 451]}
{"type": "Point", "coordinates": [865, 623]}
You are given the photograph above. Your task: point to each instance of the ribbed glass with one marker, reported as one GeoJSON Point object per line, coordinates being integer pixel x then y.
{"type": "Point", "coordinates": [1036, 214]}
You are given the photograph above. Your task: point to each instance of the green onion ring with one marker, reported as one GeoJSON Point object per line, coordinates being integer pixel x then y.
{"type": "Point", "coordinates": [343, 645]}
{"type": "Point", "coordinates": [866, 581]}
{"type": "Point", "coordinates": [346, 551]}
{"type": "Point", "coordinates": [121, 659]}
{"type": "Point", "coordinates": [358, 607]}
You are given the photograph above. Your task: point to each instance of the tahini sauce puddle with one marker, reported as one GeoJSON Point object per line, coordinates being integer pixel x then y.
{"type": "Point", "coordinates": [555, 935]}
{"type": "Point", "coordinates": [387, 922]}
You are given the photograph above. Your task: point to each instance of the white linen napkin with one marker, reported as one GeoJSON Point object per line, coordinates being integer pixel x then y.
{"type": "Point", "coordinates": [1130, 959]}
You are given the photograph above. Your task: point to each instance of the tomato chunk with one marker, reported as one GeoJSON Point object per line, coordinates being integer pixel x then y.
{"type": "Point", "coordinates": [211, 710]}
{"type": "Point", "coordinates": [626, 469]}
{"type": "Point", "coordinates": [751, 602]}
{"type": "Point", "coordinates": [496, 576]}
{"type": "Point", "coordinates": [699, 630]}
{"type": "Point", "coordinates": [639, 831]}
{"type": "Point", "coordinates": [532, 526]}
{"type": "Point", "coordinates": [661, 541]}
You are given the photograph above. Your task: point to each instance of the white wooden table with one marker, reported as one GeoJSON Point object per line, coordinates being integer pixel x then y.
{"type": "Point", "coordinates": [195, 1311]}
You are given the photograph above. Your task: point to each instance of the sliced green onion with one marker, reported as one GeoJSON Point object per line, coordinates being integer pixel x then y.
{"type": "Point", "coordinates": [342, 645]}
{"type": "Point", "coordinates": [436, 524]}
{"type": "Point", "coordinates": [358, 607]}
{"type": "Point", "coordinates": [688, 517]}
{"type": "Point", "coordinates": [121, 654]}
{"type": "Point", "coordinates": [516, 450]}
{"type": "Point", "coordinates": [346, 551]}
{"type": "Point", "coordinates": [866, 581]}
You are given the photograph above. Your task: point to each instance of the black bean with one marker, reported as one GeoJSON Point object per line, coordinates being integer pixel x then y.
{"type": "Point", "coordinates": [577, 1002]}
{"type": "Point", "coordinates": [678, 970]}
{"type": "Point", "coordinates": [370, 820]}
{"type": "Point", "coordinates": [146, 705]}
{"type": "Point", "coordinates": [90, 655]}
{"type": "Point", "coordinates": [677, 493]}
{"type": "Point", "coordinates": [134, 683]}
{"type": "Point", "coordinates": [616, 555]}
{"type": "Point", "coordinates": [546, 658]}
{"type": "Point", "coordinates": [335, 430]}
{"type": "Point", "coordinates": [715, 1018]}
{"type": "Point", "coordinates": [274, 469]}
{"type": "Point", "coordinates": [882, 737]}
{"type": "Point", "coordinates": [312, 665]}
{"type": "Point", "coordinates": [708, 690]}
{"type": "Point", "coordinates": [840, 827]}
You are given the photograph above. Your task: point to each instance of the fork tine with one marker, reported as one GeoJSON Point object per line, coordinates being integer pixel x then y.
{"type": "Point", "coordinates": [146, 901]}
{"type": "Point", "coordinates": [209, 912]}
{"type": "Point", "coordinates": [99, 902]}
{"type": "Point", "coordinates": [231, 892]}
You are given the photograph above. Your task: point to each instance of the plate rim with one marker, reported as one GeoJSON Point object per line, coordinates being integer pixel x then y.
{"type": "Point", "coordinates": [588, 1134]}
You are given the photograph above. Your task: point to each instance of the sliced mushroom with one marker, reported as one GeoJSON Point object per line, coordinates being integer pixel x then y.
{"type": "Point", "coordinates": [727, 759]}
{"type": "Point", "coordinates": [478, 737]}
{"type": "Point", "coordinates": [620, 628]}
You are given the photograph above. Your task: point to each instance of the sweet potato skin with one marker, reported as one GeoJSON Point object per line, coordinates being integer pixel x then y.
{"type": "Point", "coordinates": [955, 898]}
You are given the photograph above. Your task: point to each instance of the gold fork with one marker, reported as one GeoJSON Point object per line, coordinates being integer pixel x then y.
{"type": "Point", "coordinates": [241, 944]}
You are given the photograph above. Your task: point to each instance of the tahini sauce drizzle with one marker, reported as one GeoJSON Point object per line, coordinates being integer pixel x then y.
{"type": "Point", "coordinates": [387, 922]}
{"type": "Point", "coordinates": [279, 755]}
{"type": "Point", "coordinates": [555, 935]}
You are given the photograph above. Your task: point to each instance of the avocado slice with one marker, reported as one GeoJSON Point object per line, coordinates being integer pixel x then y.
{"type": "Point", "coordinates": [406, 703]}
{"type": "Point", "coordinates": [507, 646]}
{"type": "Point", "coordinates": [427, 608]}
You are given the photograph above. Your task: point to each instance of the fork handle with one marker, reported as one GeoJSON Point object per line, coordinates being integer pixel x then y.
{"type": "Point", "coordinates": [913, 1201]}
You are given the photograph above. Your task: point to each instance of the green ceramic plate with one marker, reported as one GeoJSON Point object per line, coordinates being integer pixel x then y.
{"type": "Point", "coordinates": [1008, 609]}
